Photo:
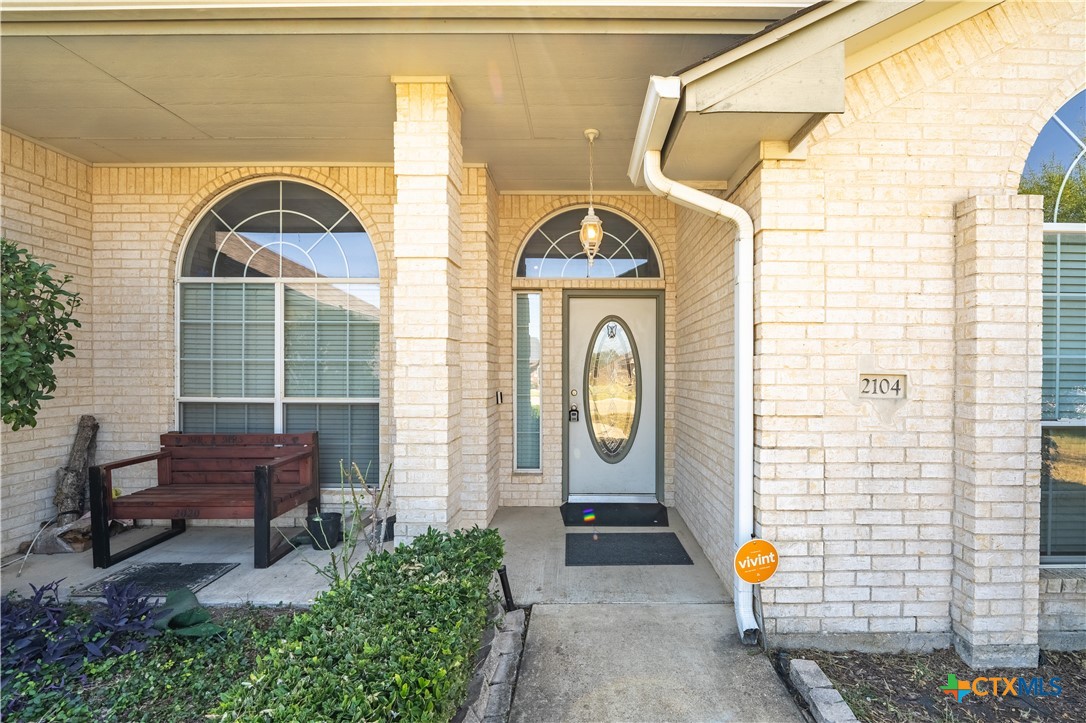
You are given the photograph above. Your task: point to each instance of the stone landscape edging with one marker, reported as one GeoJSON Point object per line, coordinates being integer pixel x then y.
{"type": "Point", "coordinates": [826, 704]}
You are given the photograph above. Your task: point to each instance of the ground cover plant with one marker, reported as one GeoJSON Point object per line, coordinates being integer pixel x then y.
{"type": "Point", "coordinates": [396, 641]}
{"type": "Point", "coordinates": [114, 662]}
{"type": "Point", "coordinates": [892, 688]}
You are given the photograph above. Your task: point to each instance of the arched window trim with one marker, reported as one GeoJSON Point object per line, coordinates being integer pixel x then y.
{"type": "Point", "coordinates": [581, 208]}
{"type": "Point", "coordinates": [209, 206]}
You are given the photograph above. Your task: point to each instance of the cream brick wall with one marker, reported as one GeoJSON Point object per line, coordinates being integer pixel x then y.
{"type": "Point", "coordinates": [47, 210]}
{"type": "Point", "coordinates": [519, 214]}
{"type": "Point", "coordinates": [704, 385]}
{"type": "Point", "coordinates": [140, 220]}
{"type": "Point", "coordinates": [856, 273]}
{"type": "Point", "coordinates": [1062, 620]}
{"type": "Point", "coordinates": [479, 411]}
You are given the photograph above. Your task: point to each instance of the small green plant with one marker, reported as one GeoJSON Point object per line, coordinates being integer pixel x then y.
{"type": "Point", "coordinates": [37, 315]}
{"type": "Point", "coordinates": [361, 524]}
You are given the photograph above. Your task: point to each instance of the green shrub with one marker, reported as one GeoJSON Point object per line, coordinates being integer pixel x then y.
{"type": "Point", "coordinates": [37, 313]}
{"type": "Point", "coordinates": [397, 641]}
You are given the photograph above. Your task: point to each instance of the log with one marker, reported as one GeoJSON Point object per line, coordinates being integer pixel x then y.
{"type": "Point", "coordinates": [72, 478]}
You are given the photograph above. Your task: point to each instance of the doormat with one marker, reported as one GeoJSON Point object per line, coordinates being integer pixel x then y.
{"type": "Point", "coordinates": [611, 514]}
{"type": "Point", "coordinates": [158, 578]}
{"type": "Point", "coordinates": [625, 548]}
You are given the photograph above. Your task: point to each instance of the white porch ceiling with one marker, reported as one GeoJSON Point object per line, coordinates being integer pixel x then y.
{"type": "Point", "coordinates": [147, 89]}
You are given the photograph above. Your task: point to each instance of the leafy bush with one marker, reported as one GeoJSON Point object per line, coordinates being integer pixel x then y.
{"type": "Point", "coordinates": [37, 312]}
{"type": "Point", "coordinates": [394, 642]}
{"type": "Point", "coordinates": [45, 641]}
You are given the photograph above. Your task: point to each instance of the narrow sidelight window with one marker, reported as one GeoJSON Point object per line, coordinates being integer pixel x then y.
{"type": "Point", "coordinates": [527, 382]}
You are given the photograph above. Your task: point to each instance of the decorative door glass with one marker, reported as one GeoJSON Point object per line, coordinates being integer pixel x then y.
{"type": "Point", "coordinates": [612, 389]}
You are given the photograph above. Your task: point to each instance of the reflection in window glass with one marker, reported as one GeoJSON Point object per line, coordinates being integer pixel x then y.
{"type": "Point", "coordinates": [280, 229]}
{"type": "Point", "coordinates": [1056, 168]}
{"type": "Point", "coordinates": [1063, 391]}
{"type": "Point", "coordinates": [330, 336]}
{"type": "Point", "coordinates": [1063, 494]}
{"type": "Point", "coordinates": [528, 387]}
{"type": "Point", "coordinates": [554, 250]}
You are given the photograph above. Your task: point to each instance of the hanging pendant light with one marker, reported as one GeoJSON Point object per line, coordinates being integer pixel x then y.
{"type": "Point", "coordinates": [591, 225]}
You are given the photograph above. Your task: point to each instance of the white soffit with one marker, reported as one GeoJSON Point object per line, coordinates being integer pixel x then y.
{"type": "Point", "coordinates": [775, 86]}
{"type": "Point", "coordinates": [138, 87]}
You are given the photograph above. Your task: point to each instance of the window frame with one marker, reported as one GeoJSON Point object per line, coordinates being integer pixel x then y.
{"type": "Point", "coordinates": [516, 431]}
{"type": "Point", "coordinates": [279, 400]}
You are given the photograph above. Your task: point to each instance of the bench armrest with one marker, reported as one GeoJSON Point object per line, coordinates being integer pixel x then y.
{"type": "Point", "coordinates": [133, 460]}
{"type": "Point", "coordinates": [308, 476]}
{"type": "Point", "coordinates": [279, 461]}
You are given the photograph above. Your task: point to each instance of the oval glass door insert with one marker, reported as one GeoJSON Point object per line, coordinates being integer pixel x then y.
{"type": "Point", "coordinates": [612, 389]}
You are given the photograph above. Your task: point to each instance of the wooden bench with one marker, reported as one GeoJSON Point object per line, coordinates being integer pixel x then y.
{"type": "Point", "coordinates": [211, 477]}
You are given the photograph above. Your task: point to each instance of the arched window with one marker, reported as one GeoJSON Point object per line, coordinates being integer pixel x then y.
{"type": "Point", "coordinates": [279, 322]}
{"type": "Point", "coordinates": [1056, 170]}
{"type": "Point", "coordinates": [553, 251]}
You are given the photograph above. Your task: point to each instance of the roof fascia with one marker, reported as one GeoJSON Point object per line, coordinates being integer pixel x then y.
{"type": "Point", "coordinates": [450, 16]}
{"type": "Point", "coordinates": [774, 52]}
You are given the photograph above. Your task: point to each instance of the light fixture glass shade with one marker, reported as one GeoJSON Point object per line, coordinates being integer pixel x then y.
{"type": "Point", "coordinates": [591, 233]}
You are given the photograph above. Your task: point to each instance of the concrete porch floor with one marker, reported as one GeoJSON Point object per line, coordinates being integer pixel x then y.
{"type": "Point", "coordinates": [291, 581]}
{"type": "Point", "coordinates": [534, 556]}
{"type": "Point", "coordinates": [535, 560]}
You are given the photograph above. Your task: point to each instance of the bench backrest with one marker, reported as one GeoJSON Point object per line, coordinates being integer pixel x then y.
{"type": "Point", "coordinates": [231, 458]}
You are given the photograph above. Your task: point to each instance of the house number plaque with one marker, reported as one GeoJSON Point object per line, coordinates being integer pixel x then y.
{"type": "Point", "coordinates": [882, 386]}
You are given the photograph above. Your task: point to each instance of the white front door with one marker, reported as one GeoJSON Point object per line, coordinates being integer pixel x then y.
{"type": "Point", "coordinates": [611, 380]}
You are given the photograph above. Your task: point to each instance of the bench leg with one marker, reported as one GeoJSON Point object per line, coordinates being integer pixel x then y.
{"type": "Point", "coordinates": [99, 519]}
{"type": "Point", "coordinates": [265, 552]}
{"type": "Point", "coordinates": [100, 528]}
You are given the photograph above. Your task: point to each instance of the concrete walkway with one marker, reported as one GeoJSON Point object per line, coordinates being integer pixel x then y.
{"type": "Point", "coordinates": [644, 662]}
{"type": "Point", "coordinates": [637, 643]}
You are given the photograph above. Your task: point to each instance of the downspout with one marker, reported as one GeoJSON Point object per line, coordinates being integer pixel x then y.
{"type": "Point", "coordinates": [660, 105]}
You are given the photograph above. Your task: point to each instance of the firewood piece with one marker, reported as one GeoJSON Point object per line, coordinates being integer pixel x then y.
{"type": "Point", "coordinates": [72, 478]}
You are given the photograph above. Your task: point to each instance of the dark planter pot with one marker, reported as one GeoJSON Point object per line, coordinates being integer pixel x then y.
{"type": "Point", "coordinates": [326, 531]}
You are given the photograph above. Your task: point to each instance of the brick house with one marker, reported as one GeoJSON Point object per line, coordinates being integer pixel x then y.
{"type": "Point", "coordinates": [851, 334]}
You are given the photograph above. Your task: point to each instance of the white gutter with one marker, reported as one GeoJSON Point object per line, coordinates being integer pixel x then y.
{"type": "Point", "coordinates": [659, 111]}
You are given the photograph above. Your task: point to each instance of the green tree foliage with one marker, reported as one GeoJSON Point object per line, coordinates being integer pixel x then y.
{"type": "Point", "coordinates": [37, 313]}
{"type": "Point", "coordinates": [1046, 182]}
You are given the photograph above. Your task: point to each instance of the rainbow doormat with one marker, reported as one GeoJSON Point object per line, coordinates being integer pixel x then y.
{"type": "Point", "coordinates": [610, 514]}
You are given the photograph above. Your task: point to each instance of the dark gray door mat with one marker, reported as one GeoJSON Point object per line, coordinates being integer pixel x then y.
{"type": "Point", "coordinates": [611, 514]}
{"type": "Point", "coordinates": [625, 548]}
{"type": "Point", "coordinates": [158, 578]}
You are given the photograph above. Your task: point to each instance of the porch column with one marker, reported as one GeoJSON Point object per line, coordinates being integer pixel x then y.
{"type": "Point", "coordinates": [997, 489]}
{"type": "Point", "coordinates": [426, 305]}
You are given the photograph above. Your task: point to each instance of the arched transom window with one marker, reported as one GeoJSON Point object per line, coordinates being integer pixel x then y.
{"type": "Point", "coordinates": [279, 322]}
{"type": "Point", "coordinates": [553, 251]}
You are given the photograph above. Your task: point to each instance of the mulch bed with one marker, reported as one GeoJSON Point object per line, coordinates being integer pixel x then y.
{"type": "Point", "coordinates": [905, 687]}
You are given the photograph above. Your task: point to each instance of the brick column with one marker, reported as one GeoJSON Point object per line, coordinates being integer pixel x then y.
{"type": "Point", "coordinates": [994, 605]}
{"type": "Point", "coordinates": [426, 305]}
